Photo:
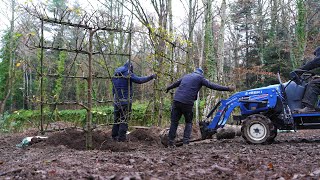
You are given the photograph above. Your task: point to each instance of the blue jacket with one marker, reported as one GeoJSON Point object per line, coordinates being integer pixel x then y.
{"type": "Point", "coordinates": [123, 78]}
{"type": "Point", "coordinates": [315, 63]}
{"type": "Point", "coordinates": [189, 86]}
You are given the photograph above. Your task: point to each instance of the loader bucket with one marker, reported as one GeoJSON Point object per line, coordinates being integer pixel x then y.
{"type": "Point", "coordinates": [206, 133]}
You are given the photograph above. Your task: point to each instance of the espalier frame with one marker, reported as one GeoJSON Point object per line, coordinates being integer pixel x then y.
{"type": "Point", "coordinates": [92, 27]}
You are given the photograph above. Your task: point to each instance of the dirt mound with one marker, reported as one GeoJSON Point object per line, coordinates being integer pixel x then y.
{"type": "Point", "coordinates": [101, 139]}
{"type": "Point", "coordinates": [71, 138]}
{"type": "Point", "coordinates": [146, 136]}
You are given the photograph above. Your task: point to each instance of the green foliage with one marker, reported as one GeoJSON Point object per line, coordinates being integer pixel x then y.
{"type": "Point", "coordinates": [4, 65]}
{"type": "Point", "coordinates": [4, 75]}
{"type": "Point", "coordinates": [2, 122]}
{"type": "Point", "coordinates": [78, 117]}
{"type": "Point", "coordinates": [17, 92]}
{"type": "Point", "coordinates": [209, 43]}
{"type": "Point", "coordinates": [60, 69]}
{"type": "Point", "coordinates": [6, 55]}
{"type": "Point", "coordinates": [301, 30]}
{"type": "Point", "coordinates": [19, 120]}
{"type": "Point", "coordinates": [36, 85]}
{"type": "Point", "coordinates": [138, 112]}
{"type": "Point", "coordinates": [81, 89]}
{"type": "Point", "coordinates": [23, 119]}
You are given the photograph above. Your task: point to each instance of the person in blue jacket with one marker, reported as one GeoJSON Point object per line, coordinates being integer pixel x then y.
{"type": "Point", "coordinates": [122, 92]}
{"type": "Point", "coordinates": [313, 88]}
{"type": "Point", "coordinates": [188, 88]}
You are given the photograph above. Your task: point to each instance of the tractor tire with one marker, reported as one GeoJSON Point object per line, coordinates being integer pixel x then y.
{"type": "Point", "coordinates": [274, 133]}
{"type": "Point", "coordinates": [164, 138]}
{"type": "Point", "coordinates": [258, 129]}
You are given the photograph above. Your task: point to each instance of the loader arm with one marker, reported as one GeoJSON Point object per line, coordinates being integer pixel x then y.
{"type": "Point", "coordinates": [249, 102]}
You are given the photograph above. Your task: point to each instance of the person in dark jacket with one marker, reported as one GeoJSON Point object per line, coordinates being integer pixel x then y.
{"type": "Point", "coordinates": [188, 88]}
{"type": "Point", "coordinates": [122, 93]}
{"type": "Point", "coordinates": [313, 88]}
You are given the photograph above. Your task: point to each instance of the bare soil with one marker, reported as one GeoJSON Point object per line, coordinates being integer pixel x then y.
{"type": "Point", "coordinates": [294, 155]}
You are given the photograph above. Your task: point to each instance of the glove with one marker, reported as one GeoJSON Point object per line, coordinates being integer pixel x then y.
{"type": "Point", "coordinates": [154, 76]}
{"type": "Point", "coordinates": [315, 77]}
{"type": "Point", "coordinates": [299, 71]}
{"type": "Point", "coordinates": [232, 88]}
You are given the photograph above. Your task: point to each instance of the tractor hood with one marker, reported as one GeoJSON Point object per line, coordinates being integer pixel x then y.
{"type": "Point", "coordinates": [258, 90]}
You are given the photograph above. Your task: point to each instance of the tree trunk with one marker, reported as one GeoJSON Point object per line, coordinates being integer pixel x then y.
{"type": "Point", "coordinates": [220, 52]}
{"type": "Point", "coordinates": [89, 108]}
{"type": "Point", "coordinates": [172, 63]}
{"type": "Point", "coordinates": [190, 38]}
{"type": "Point", "coordinates": [161, 8]}
{"type": "Point", "coordinates": [301, 32]}
{"type": "Point", "coordinates": [209, 62]}
{"type": "Point", "coordinates": [259, 30]}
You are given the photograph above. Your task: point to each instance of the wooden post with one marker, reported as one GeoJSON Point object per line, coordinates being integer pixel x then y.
{"type": "Point", "coordinates": [89, 80]}
{"type": "Point", "coordinates": [41, 80]}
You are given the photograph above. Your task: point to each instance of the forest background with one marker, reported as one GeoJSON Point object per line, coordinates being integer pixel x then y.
{"type": "Point", "coordinates": [58, 56]}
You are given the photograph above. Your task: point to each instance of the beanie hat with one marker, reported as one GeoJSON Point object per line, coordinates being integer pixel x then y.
{"type": "Point", "coordinates": [129, 65]}
{"type": "Point", "coordinates": [199, 71]}
{"type": "Point", "coordinates": [317, 51]}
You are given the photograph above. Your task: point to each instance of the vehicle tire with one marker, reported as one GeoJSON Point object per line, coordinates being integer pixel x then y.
{"type": "Point", "coordinates": [273, 135]}
{"type": "Point", "coordinates": [164, 138]}
{"type": "Point", "coordinates": [258, 129]}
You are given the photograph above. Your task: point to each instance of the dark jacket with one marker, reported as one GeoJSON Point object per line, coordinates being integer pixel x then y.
{"type": "Point", "coordinates": [123, 78]}
{"type": "Point", "coordinates": [315, 63]}
{"type": "Point", "coordinates": [189, 86]}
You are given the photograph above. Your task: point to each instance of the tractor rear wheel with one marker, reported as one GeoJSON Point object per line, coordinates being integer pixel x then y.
{"type": "Point", "coordinates": [258, 129]}
{"type": "Point", "coordinates": [273, 135]}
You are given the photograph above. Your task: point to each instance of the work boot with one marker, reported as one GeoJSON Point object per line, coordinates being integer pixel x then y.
{"type": "Point", "coordinates": [186, 146]}
{"type": "Point", "coordinates": [122, 140]}
{"type": "Point", "coordinates": [171, 144]}
{"type": "Point", "coordinates": [115, 139]}
{"type": "Point", "coordinates": [306, 110]}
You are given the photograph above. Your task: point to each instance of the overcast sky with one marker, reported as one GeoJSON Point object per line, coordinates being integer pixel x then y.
{"type": "Point", "coordinates": [178, 10]}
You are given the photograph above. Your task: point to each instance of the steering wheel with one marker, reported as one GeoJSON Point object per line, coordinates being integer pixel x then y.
{"type": "Point", "coordinates": [300, 75]}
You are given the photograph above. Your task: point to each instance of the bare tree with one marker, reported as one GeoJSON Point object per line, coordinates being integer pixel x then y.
{"type": "Point", "coordinates": [10, 80]}
{"type": "Point", "coordinates": [157, 34]}
{"type": "Point", "coordinates": [194, 14]}
{"type": "Point", "coordinates": [220, 49]}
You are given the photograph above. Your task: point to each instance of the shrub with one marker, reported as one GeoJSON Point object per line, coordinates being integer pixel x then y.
{"type": "Point", "coordinates": [22, 119]}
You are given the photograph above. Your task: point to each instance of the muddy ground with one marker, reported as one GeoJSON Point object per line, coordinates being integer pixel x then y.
{"type": "Point", "coordinates": [294, 155]}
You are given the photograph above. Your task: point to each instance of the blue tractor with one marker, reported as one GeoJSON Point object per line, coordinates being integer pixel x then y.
{"type": "Point", "coordinates": [265, 110]}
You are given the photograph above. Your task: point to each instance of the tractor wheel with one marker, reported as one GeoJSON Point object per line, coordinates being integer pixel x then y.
{"type": "Point", "coordinates": [164, 138]}
{"type": "Point", "coordinates": [273, 135]}
{"type": "Point", "coordinates": [258, 129]}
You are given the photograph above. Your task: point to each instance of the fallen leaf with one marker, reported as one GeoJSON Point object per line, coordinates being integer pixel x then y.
{"type": "Point", "coordinates": [270, 166]}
